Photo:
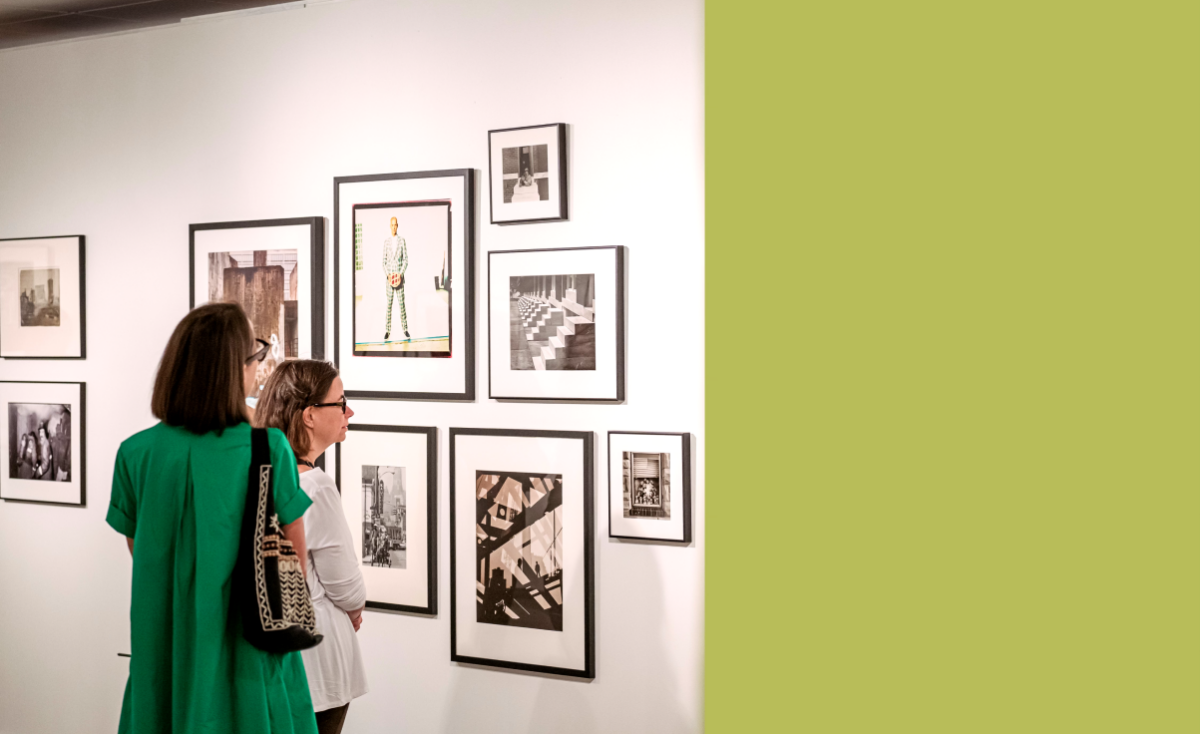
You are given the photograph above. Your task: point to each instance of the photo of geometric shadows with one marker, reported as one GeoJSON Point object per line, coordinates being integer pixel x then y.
{"type": "Point", "coordinates": [518, 541]}
{"type": "Point", "coordinates": [40, 291]}
{"type": "Point", "coordinates": [526, 173]}
{"type": "Point", "coordinates": [385, 518]}
{"type": "Point", "coordinates": [647, 485]}
{"type": "Point", "coordinates": [552, 322]}
{"type": "Point", "coordinates": [39, 441]}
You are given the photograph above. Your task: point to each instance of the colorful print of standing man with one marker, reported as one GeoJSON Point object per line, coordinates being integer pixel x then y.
{"type": "Point", "coordinates": [395, 262]}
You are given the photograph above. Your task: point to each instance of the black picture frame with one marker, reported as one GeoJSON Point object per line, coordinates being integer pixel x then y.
{"type": "Point", "coordinates": [619, 394]}
{"type": "Point", "coordinates": [431, 474]}
{"type": "Point", "coordinates": [588, 472]}
{"type": "Point", "coordinates": [686, 489]}
{"type": "Point", "coordinates": [82, 446]}
{"type": "Point", "coordinates": [82, 297]}
{"type": "Point", "coordinates": [468, 188]}
{"type": "Point", "coordinates": [316, 227]}
{"type": "Point", "coordinates": [561, 137]}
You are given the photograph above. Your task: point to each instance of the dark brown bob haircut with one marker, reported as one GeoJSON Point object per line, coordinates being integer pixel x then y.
{"type": "Point", "coordinates": [292, 387]}
{"type": "Point", "coordinates": [200, 378]}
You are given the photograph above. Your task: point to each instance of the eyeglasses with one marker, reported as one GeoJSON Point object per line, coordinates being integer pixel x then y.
{"type": "Point", "coordinates": [339, 404]}
{"type": "Point", "coordinates": [261, 354]}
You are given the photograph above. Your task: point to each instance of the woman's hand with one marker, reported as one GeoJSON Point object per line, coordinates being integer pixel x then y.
{"type": "Point", "coordinates": [355, 618]}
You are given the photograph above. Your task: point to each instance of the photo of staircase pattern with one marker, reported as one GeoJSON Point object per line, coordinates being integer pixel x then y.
{"type": "Point", "coordinates": [552, 322]}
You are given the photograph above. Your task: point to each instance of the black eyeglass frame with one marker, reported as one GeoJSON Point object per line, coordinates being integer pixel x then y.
{"type": "Point", "coordinates": [339, 404]}
{"type": "Point", "coordinates": [261, 354]}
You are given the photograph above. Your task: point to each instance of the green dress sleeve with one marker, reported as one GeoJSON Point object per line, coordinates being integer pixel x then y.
{"type": "Point", "coordinates": [290, 501]}
{"type": "Point", "coordinates": [122, 507]}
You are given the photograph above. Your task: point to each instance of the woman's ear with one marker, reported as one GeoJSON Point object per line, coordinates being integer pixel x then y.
{"type": "Point", "coordinates": [307, 417]}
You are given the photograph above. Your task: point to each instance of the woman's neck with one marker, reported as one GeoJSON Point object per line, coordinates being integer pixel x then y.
{"type": "Point", "coordinates": [314, 453]}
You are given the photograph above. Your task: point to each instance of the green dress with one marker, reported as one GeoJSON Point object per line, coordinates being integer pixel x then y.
{"type": "Point", "coordinates": [181, 497]}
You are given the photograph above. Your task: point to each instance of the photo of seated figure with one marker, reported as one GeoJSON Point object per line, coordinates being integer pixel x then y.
{"type": "Point", "coordinates": [526, 172]}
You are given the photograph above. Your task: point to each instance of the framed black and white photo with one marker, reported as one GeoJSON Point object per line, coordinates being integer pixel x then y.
{"type": "Point", "coordinates": [404, 277]}
{"type": "Point", "coordinates": [388, 479]}
{"type": "Point", "coordinates": [275, 270]}
{"type": "Point", "coordinates": [42, 298]}
{"type": "Point", "coordinates": [556, 324]}
{"type": "Point", "coordinates": [528, 173]}
{"type": "Point", "coordinates": [650, 486]}
{"type": "Point", "coordinates": [43, 442]}
{"type": "Point", "coordinates": [521, 550]}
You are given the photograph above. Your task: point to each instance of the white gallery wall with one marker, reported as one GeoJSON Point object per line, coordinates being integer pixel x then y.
{"type": "Point", "coordinates": [129, 139]}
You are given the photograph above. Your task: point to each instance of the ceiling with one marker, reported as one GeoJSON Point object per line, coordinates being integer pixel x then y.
{"type": "Point", "coordinates": [25, 22]}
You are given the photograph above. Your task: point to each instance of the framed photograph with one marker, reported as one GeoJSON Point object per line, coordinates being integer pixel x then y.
{"type": "Point", "coordinates": [43, 440]}
{"type": "Point", "coordinates": [388, 479]}
{"type": "Point", "coordinates": [650, 486]}
{"type": "Point", "coordinates": [275, 270]}
{"type": "Point", "coordinates": [521, 558]}
{"type": "Point", "coordinates": [556, 324]}
{"type": "Point", "coordinates": [42, 298]}
{"type": "Point", "coordinates": [528, 173]}
{"type": "Point", "coordinates": [404, 262]}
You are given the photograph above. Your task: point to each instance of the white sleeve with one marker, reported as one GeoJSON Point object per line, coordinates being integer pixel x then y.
{"type": "Point", "coordinates": [332, 551]}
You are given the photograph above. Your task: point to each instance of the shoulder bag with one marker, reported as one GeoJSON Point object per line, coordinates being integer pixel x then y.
{"type": "Point", "coordinates": [277, 611]}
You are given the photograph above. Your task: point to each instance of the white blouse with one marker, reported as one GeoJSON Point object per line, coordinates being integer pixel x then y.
{"type": "Point", "coordinates": [335, 667]}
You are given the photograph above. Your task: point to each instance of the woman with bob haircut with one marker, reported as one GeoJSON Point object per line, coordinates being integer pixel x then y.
{"type": "Point", "coordinates": [305, 399]}
{"type": "Point", "coordinates": [179, 493]}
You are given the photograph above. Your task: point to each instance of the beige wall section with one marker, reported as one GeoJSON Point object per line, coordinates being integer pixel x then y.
{"type": "Point", "coordinates": [129, 139]}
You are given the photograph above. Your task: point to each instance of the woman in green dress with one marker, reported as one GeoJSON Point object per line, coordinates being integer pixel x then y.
{"type": "Point", "coordinates": [179, 491]}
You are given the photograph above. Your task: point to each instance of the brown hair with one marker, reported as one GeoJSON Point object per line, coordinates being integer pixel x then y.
{"type": "Point", "coordinates": [200, 378]}
{"type": "Point", "coordinates": [292, 387]}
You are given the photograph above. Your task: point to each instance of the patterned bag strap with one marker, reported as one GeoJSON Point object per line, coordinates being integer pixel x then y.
{"type": "Point", "coordinates": [260, 456]}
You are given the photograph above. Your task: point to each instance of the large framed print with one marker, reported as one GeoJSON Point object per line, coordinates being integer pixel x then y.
{"type": "Point", "coordinates": [556, 324]}
{"type": "Point", "coordinates": [527, 179]}
{"type": "Point", "coordinates": [522, 575]}
{"type": "Point", "coordinates": [650, 486]}
{"type": "Point", "coordinates": [404, 281]}
{"type": "Point", "coordinates": [388, 479]}
{"type": "Point", "coordinates": [275, 270]}
{"type": "Point", "coordinates": [43, 305]}
{"type": "Point", "coordinates": [43, 442]}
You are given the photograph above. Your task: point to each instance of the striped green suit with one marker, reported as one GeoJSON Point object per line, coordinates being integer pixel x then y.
{"type": "Point", "coordinates": [395, 262]}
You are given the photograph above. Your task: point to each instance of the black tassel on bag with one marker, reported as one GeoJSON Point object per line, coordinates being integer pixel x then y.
{"type": "Point", "coordinates": [277, 611]}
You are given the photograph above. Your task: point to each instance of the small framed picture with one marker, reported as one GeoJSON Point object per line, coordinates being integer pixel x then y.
{"type": "Point", "coordinates": [275, 270]}
{"type": "Point", "coordinates": [404, 280]}
{"type": "Point", "coordinates": [650, 486]}
{"type": "Point", "coordinates": [522, 574]}
{"type": "Point", "coordinates": [42, 298]}
{"type": "Point", "coordinates": [388, 479]}
{"type": "Point", "coordinates": [528, 181]}
{"type": "Point", "coordinates": [43, 441]}
{"type": "Point", "coordinates": [556, 324]}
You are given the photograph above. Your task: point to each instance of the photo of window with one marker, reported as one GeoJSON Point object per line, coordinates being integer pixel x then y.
{"type": "Point", "coordinates": [650, 486]}
{"type": "Point", "coordinates": [646, 485]}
